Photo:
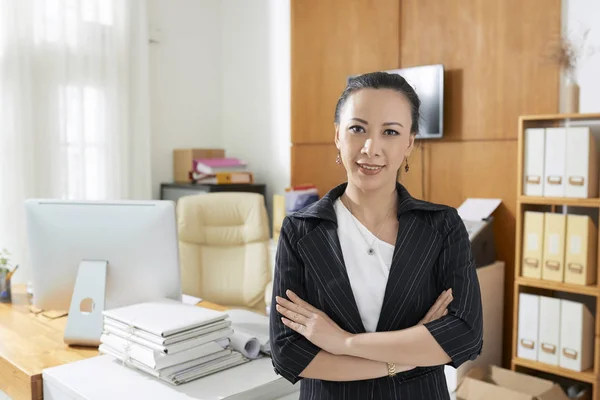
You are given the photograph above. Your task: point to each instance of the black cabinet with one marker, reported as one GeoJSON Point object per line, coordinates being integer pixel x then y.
{"type": "Point", "coordinates": [173, 191]}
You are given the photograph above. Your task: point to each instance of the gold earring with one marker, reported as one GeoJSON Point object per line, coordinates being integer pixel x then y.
{"type": "Point", "coordinates": [406, 167]}
{"type": "Point", "coordinates": [338, 159]}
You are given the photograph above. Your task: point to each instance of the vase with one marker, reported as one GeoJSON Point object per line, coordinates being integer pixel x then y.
{"type": "Point", "coordinates": [572, 98]}
{"type": "Point", "coordinates": [5, 289]}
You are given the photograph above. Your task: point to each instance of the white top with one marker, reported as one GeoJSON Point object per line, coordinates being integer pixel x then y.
{"type": "Point", "coordinates": [368, 273]}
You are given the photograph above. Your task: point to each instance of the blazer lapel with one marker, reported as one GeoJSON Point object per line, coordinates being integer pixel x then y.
{"type": "Point", "coordinates": [322, 253]}
{"type": "Point", "coordinates": [417, 248]}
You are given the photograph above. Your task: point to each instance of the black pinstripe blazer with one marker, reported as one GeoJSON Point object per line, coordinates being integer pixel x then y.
{"type": "Point", "coordinates": [432, 253]}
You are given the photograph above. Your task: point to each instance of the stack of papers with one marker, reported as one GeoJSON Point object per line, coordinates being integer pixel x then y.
{"type": "Point", "coordinates": [172, 341]}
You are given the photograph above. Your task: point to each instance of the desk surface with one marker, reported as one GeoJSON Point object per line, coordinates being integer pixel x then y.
{"type": "Point", "coordinates": [254, 380]}
{"type": "Point", "coordinates": [30, 342]}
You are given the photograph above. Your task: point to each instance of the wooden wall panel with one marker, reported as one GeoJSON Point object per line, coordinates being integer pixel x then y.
{"type": "Point", "coordinates": [493, 55]}
{"type": "Point", "coordinates": [315, 163]}
{"type": "Point", "coordinates": [331, 40]}
{"type": "Point", "coordinates": [487, 169]}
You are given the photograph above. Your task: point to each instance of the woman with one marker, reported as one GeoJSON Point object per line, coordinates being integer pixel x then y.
{"type": "Point", "coordinates": [357, 271]}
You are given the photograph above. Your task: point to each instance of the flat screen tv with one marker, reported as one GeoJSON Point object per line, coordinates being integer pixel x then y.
{"type": "Point", "coordinates": [428, 82]}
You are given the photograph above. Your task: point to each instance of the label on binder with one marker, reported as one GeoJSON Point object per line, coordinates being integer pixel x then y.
{"type": "Point", "coordinates": [553, 245]}
{"type": "Point", "coordinates": [532, 241]}
{"type": "Point", "coordinates": [575, 247]}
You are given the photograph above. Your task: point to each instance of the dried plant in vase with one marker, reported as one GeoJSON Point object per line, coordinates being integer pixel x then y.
{"type": "Point", "coordinates": [569, 54]}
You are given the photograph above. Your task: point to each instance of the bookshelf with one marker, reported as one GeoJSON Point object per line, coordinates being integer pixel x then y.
{"type": "Point", "coordinates": [550, 288]}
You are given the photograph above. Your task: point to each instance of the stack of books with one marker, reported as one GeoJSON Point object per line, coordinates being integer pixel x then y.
{"type": "Point", "coordinates": [220, 171]}
{"type": "Point", "coordinates": [170, 340]}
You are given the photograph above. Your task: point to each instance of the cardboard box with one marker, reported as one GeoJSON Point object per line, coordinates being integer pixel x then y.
{"type": "Point", "coordinates": [183, 161]}
{"type": "Point", "coordinates": [491, 282]}
{"type": "Point", "coordinates": [495, 383]}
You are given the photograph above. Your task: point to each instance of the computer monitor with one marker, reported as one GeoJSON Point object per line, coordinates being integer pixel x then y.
{"type": "Point", "coordinates": [112, 253]}
{"type": "Point", "coordinates": [428, 83]}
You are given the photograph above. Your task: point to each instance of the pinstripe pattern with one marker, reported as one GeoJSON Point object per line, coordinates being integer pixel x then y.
{"type": "Point", "coordinates": [432, 253]}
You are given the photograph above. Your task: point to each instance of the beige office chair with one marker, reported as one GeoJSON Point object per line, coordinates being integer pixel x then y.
{"type": "Point", "coordinates": [224, 248]}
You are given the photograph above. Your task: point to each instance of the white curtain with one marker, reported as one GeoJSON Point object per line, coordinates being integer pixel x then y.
{"type": "Point", "coordinates": [74, 118]}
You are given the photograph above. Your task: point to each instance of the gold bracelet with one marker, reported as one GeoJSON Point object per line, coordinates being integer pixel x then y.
{"type": "Point", "coordinates": [391, 369]}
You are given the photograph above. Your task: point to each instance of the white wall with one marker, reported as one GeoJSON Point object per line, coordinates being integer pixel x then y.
{"type": "Point", "coordinates": [220, 77]}
{"type": "Point", "coordinates": [255, 103]}
{"type": "Point", "coordinates": [185, 80]}
{"type": "Point", "coordinates": [577, 16]}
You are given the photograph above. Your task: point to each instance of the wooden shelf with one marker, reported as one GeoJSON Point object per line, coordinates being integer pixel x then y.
{"type": "Point", "coordinates": [585, 376]}
{"type": "Point", "coordinates": [525, 203]}
{"type": "Point", "coordinates": [559, 286]}
{"type": "Point", "coordinates": [559, 117]}
{"type": "Point", "coordinates": [559, 201]}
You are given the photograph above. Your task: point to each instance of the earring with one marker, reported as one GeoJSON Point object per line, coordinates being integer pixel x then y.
{"type": "Point", "coordinates": [338, 159]}
{"type": "Point", "coordinates": [406, 167]}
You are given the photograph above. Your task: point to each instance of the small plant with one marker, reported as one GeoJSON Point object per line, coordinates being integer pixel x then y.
{"type": "Point", "coordinates": [5, 259]}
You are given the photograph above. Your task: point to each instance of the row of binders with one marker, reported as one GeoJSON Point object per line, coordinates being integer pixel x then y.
{"type": "Point", "coordinates": [560, 162]}
{"type": "Point", "coordinates": [555, 331]}
{"type": "Point", "coordinates": [559, 247]}
{"type": "Point", "coordinates": [178, 342]}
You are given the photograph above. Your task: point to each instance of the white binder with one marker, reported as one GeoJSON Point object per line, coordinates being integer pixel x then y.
{"type": "Point", "coordinates": [549, 331]}
{"type": "Point", "coordinates": [158, 360]}
{"type": "Point", "coordinates": [184, 372]}
{"type": "Point", "coordinates": [164, 317]}
{"type": "Point", "coordinates": [581, 167]}
{"type": "Point", "coordinates": [529, 311]}
{"type": "Point", "coordinates": [555, 162]}
{"type": "Point", "coordinates": [576, 336]}
{"type": "Point", "coordinates": [533, 166]}
{"type": "Point", "coordinates": [173, 347]}
{"type": "Point", "coordinates": [116, 326]}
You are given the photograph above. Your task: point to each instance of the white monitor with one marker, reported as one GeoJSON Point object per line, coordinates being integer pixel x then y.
{"type": "Point", "coordinates": [118, 252]}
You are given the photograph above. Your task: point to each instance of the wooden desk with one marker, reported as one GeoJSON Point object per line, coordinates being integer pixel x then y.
{"type": "Point", "coordinates": [31, 342]}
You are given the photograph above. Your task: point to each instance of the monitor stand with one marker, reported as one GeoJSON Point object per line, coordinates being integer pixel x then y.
{"type": "Point", "coordinates": [85, 320]}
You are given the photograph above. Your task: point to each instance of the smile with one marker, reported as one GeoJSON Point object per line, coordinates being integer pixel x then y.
{"type": "Point", "coordinates": [370, 167]}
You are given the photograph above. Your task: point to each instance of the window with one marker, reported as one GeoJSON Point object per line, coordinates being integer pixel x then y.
{"type": "Point", "coordinates": [83, 143]}
{"type": "Point", "coordinates": [76, 33]}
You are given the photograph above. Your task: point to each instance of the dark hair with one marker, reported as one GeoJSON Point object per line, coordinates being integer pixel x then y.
{"type": "Point", "coordinates": [382, 80]}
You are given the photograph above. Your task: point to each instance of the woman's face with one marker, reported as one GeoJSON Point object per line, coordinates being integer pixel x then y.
{"type": "Point", "coordinates": [373, 136]}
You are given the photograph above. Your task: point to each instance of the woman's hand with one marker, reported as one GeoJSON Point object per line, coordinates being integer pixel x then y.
{"type": "Point", "coordinates": [439, 308]}
{"type": "Point", "coordinates": [312, 323]}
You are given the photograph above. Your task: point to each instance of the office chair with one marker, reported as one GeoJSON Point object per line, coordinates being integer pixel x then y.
{"type": "Point", "coordinates": [224, 248]}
